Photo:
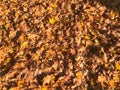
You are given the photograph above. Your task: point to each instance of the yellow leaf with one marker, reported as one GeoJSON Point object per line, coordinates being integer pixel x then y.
{"type": "Point", "coordinates": [19, 82]}
{"type": "Point", "coordinates": [6, 26]}
{"type": "Point", "coordinates": [54, 5]}
{"type": "Point", "coordinates": [87, 37]}
{"type": "Point", "coordinates": [14, 0]}
{"type": "Point", "coordinates": [51, 20]}
{"type": "Point", "coordinates": [44, 88]}
{"type": "Point", "coordinates": [53, 77]}
{"type": "Point", "coordinates": [8, 60]}
{"type": "Point", "coordinates": [117, 66]}
{"type": "Point", "coordinates": [112, 14]}
{"type": "Point", "coordinates": [112, 83]}
{"type": "Point", "coordinates": [49, 8]}
{"type": "Point", "coordinates": [82, 24]}
{"type": "Point", "coordinates": [116, 79]}
{"type": "Point", "coordinates": [79, 75]}
{"type": "Point", "coordinates": [25, 44]}
{"type": "Point", "coordinates": [43, 47]}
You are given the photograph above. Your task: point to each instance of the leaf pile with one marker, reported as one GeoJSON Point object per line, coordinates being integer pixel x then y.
{"type": "Point", "coordinates": [59, 45]}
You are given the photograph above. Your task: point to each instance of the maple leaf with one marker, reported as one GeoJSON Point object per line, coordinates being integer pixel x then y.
{"type": "Point", "coordinates": [51, 20]}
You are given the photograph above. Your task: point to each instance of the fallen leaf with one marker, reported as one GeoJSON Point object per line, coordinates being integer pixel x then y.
{"type": "Point", "coordinates": [6, 26]}
{"type": "Point", "coordinates": [87, 37]}
{"type": "Point", "coordinates": [25, 44]}
{"type": "Point", "coordinates": [54, 5]}
{"type": "Point", "coordinates": [20, 82]}
{"type": "Point", "coordinates": [106, 65]}
{"type": "Point", "coordinates": [112, 14]}
{"type": "Point", "coordinates": [14, 88]}
{"type": "Point", "coordinates": [8, 60]}
{"type": "Point", "coordinates": [51, 20]}
{"type": "Point", "coordinates": [92, 82]}
{"type": "Point", "coordinates": [101, 78]}
{"type": "Point", "coordinates": [79, 75]}
{"type": "Point", "coordinates": [72, 51]}
{"type": "Point", "coordinates": [117, 66]}
{"type": "Point", "coordinates": [14, 0]}
{"type": "Point", "coordinates": [43, 88]}
{"type": "Point", "coordinates": [49, 8]}
{"type": "Point", "coordinates": [112, 83]}
{"type": "Point", "coordinates": [116, 78]}
{"type": "Point", "coordinates": [46, 80]}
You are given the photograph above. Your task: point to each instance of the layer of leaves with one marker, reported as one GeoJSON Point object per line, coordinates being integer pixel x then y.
{"type": "Point", "coordinates": [59, 45]}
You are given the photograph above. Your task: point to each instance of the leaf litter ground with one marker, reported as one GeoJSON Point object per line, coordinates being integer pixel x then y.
{"type": "Point", "coordinates": [59, 45]}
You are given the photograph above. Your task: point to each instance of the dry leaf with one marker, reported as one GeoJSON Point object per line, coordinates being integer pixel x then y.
{"type": "Point", "coordinates": [79, 75]}
{"type": "Point", "coordinates": [14, 0]}
{"type": "Point", "coordinates": [117, 66]}
{"type": "Point", "coordinates": [12, 34]}
{"type": "Point", "coordinates": [51, 20]}
{"type": "Point", "coordinates": [54, 5]}
{"type": "Point", "coordinates": [112, 83]}
{"type": "Point", "coordinates": [87, 37]}
{"type": "Point", "coordinates": [112, 14]}
{"type": "Point", "coordinates": [43, 88]}
{"type": "Point", "coordinates": [47, 80]}
{"type": "Point", "coordinates": [116, 78]}
{"type": "Point", "coordinates": [14, 88]}
{"type": "Point", "coordinates": [25, 44]}
{"type": "Point", "coordinates": [101, 78]}
{"type": "Point", "coordinates": [8, 60]}
{"type": "Point", "coordinates": [20, 82]}
{"type": "Point", "coordinates": [106, 65]}
{"type": "Point", "coordinates": [24, 27]}
{"type": "Point", "coordinates": [92, 82]}
{"type": "Point", "coordinates": [72, 51]}
{"type": "Point", "coordinates": [49, 9]}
